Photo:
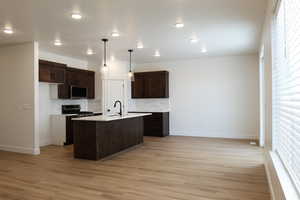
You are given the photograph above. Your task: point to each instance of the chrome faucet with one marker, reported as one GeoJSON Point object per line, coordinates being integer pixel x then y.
{"type": "Point", "coordinates": [115, 105]}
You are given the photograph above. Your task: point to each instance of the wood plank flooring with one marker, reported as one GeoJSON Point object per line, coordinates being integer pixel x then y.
{"type": "Point", "coordinates": [171, 168]}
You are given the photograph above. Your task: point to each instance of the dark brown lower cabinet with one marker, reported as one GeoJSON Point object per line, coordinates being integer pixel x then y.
{"type": "Point", "coordinates": [94, 140]}
{"type": "Point", "coordinates": [69, 127]}
{"type": "Point", "coordinates": [157, 124]}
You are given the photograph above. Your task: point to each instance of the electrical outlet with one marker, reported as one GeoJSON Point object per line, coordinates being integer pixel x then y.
{"type": "Point", "coordinates": [27, 107]}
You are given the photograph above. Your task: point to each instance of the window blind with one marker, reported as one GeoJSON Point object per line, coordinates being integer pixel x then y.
{"type": "Point", "coordinates": [286, 87]}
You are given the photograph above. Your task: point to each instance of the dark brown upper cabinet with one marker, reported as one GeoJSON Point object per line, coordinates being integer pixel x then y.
{"type": "Point", "coordinates": [66, 77]}
{"type": "Point", "coordinates": [52, 72]}
{"type": "Point", "coordinates": [150, 85]}
{"type": "Point", "coordinates": [91, 84]}
{"type": "Point", "coordinates": [78, 78]}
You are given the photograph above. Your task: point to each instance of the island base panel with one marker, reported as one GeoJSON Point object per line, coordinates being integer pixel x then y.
{"type": "Point", "coordinates": [99, 139]}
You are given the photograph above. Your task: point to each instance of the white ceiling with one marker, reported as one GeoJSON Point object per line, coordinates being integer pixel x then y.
{"type": "Point", "coordinates": [225, 27]}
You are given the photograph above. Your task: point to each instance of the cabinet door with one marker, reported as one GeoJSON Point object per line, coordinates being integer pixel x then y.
{"type": "Point", "coordinates": [138, 86]}
{"type": "Point", "coordinates": [45, 71]}
{"type": "Point", "coordinates": [153, 125]}
{"type": "Point", "coordinates": [44, 74]}
{"type": "Point", "coordinates": [91, 84]}
{"type": "Point", "coordinates": [51, 72]}
{"type": "Point", "coordinates": [156, 85]}
{"type": "Point", "coordinates": [58, 75]}
{"type": "Point", "coordinates": [73, 77]}
{"type": "Point", "coordinates": [64, 91]}
{"type": "Point", "coordinates": [151, 85]}
{"type": "Point", "coordinates": [156, 125]}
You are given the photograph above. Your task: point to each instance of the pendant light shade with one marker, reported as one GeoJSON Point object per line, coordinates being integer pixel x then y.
{"type": "Point", "coordinates": [130, 73]}
{"type": "Point", "coordinates": [104, 40]}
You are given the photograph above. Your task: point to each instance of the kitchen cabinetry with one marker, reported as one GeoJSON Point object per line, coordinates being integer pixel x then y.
{"type": "Point", "coordinates": [62, 132]}
{"type": "Point", "coordinates": [157, 124]}
{"type": "Point", "coordinates": [78, 78]}
{"type": "Point", "coordinates": [91, 84]}
{"type": "Point", "coordinates": [52, 72]}
{"type": "Point", "coordinates": [150, 85]}
{"type": "Point", "coordinates": [66, 77]}
{"type": "Point", "coordinates": [69, 127]}
{"type": "Point", "coordinates": [94, 140]}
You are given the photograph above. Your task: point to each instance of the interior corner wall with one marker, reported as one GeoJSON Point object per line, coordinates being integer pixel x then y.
{"type": "Point", "coordinates": [19, 110]}
{"type": "Point", "coordinates": [210, 97]}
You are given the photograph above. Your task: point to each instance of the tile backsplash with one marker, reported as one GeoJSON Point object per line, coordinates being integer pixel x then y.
{"type": "Point", "coordinates": [149, 105]}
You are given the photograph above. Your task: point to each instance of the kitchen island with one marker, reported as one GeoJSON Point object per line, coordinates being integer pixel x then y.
{"type": "Point", "coordinates": [97, 137]}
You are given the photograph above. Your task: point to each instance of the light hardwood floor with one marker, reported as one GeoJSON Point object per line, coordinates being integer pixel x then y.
{"type": "Point", "coordinates": [172, 168]}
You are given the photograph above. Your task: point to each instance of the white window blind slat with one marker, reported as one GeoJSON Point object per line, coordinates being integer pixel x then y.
{"type": "Point", "coordinates": [286, 87]}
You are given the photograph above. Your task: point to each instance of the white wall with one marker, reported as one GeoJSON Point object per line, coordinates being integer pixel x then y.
{"type": "Point", "coordinates": [72, 62]}
{"type": "Point", "coordinates": [116, 70]}
{"type": "Point", "coordinates": [96, 104]}
{"type": "Point", "coordinates": [210, 97]}
{"type": "Point", "coordinates": [19, 102]}
{"type": "Point", "coordinates": [48, 106]}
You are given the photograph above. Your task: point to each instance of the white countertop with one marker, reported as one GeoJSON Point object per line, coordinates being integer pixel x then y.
{"type": "Point", "coordinates": [106, 118]}
{"type": "Point", "coordinates": [149, 111]}
{"type": "Point", "coordinates": [68, 115]}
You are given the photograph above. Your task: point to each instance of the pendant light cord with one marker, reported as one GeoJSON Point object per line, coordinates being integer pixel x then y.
{"type": "Point", "coordinates": [130, 52]}
{"type": "Point", "coordinates": [105, 41]}
{"type": "Point", "coordinates": [104, 54]}
{"type": "Point", "coordinates": [130, 61]}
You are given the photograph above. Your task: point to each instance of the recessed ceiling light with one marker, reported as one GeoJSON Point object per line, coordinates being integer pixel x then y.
{"type": "Point", "coordinates": [179, 25]}
{"type": "Point", "coordinates": [76, 16]}
{"type": "Point", "coordinates": [89, 52]}
{"type": "Point", "coordinates": [115, 34]}
{"type": "Point", "coordinates": [157, 54]}
{"type": "Point", "coordinates": [57, 43]}
{"type": "Point", "coordinates": [203, 50]}
{"type": "Point", "coordinates": [8, 30]}
{"type": "Point", "coordinates": [194, 40]}
{"type": "Point", "coordinates": [140, 45]}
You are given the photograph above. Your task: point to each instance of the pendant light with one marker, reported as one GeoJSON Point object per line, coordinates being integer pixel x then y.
{"type": "Point", "coordinates": [104, 40]}
{"type": "Point", "coordinates": [130, 73]}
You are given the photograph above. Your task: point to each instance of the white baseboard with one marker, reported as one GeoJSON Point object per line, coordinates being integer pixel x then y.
{"type": "Point", "coordinates": [288, 188]}
{"type": "Point", "coordinates": [267, 169]}
{"type": "Point", "coordinates": [215, 135]}
{"type": "Point", "coordinates": [25, 150]}
{"type": "Point", "coordinates": [45, 142]}
{"type": "Point", "coordinates": [281, 184]}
